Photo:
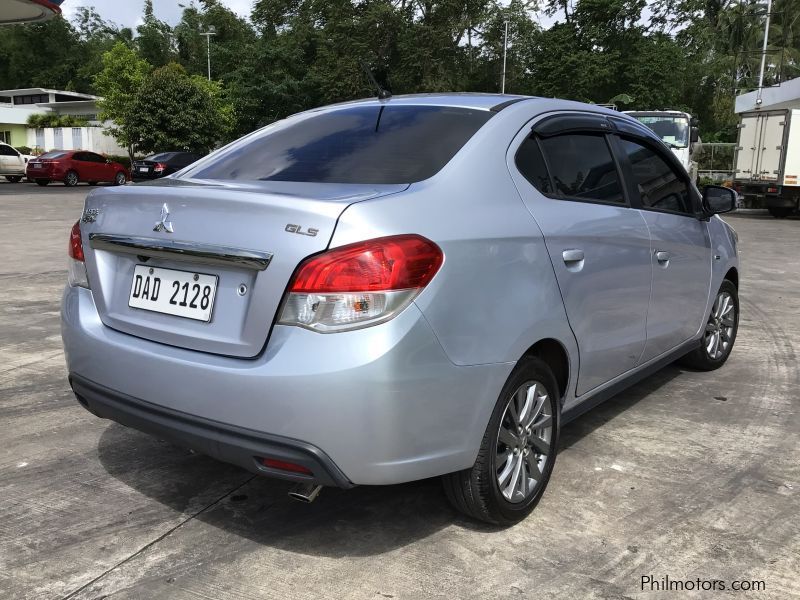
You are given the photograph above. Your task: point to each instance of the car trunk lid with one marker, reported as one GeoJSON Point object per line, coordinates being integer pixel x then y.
{"type": "Point", "coordinates": [249, 236]}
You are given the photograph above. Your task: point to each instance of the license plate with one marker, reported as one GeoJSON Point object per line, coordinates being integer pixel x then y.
{"type": "Point", "coordinates": [36, 165]}
{"type": "Point", "coordinates": [143, 169]}
{"type": "Point", "coordinates": [172, 292]}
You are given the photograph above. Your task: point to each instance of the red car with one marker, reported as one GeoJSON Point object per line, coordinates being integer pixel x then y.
{"type": "Point", "coordinates": [73, 166]}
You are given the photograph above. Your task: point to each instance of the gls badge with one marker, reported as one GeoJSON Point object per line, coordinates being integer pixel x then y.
{"type": "Point", "coordinates": [298, 229]}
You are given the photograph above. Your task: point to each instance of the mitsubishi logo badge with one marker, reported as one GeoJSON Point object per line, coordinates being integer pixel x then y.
{"type": "Point", "coordinates": [164, 224]}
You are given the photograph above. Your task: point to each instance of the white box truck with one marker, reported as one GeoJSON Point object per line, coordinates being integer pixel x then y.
{"type": "Point", "coordinates": [677, 129]}
{"type": "Point", "coordinates": [768, 149]}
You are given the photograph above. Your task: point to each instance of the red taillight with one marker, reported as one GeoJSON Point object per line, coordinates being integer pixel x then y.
{"type": "Point", "coordinates": [75, 243]}
{"type": "Point", "coordinates": [399, 262]}
{"type": "Point", "coordinates": [159, 167]}
{"type": "Point", "coordinates": [283, 465]}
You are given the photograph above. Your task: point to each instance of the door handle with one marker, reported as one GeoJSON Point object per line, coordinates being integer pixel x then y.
{"type": "Point", "coordinates": [573, 255]}
{"type": "Point", "coordinates": [662, 256]}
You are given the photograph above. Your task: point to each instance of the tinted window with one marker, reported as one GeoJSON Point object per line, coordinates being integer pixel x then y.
{"type": "Point", "coordinates": [531, 164]}
{"type": "Point", "coordinates": [660, 185]}
{"type": "Point", "coordinates": [92, 157]}
{"type": "Point", "coordinates": [358, 144]}
{"type": "Point", "coordinates": [52, 155]}
{"type": "Point", "coordinates": [582, 167]}
{"type": "Point", "coordinates": [7, 151]}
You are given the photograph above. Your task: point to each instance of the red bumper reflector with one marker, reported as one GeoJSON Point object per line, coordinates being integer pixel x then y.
{"type": "Point", "coordinates": [282, 465]}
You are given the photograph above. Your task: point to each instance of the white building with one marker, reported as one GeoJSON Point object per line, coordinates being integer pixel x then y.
{"type": "Point", "coordinates": [17, 105]}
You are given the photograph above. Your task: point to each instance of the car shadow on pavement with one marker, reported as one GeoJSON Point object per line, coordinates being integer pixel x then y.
{"type": "Point", "coordinates": [576, 430]}
{"type": "Point", "coordinates": [362, 521]}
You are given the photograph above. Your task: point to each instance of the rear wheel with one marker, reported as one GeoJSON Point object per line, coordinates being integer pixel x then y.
{"type": "Point", "coordinates": [42, 182]}
{"type": "Point", "coordinates": [517, 453]}
{"type": "Point", "coordinates": [71, 179]}
{"type": "Point", "coordinates": [120, 179]}
{"type": "Point", "coordinates": [14, 178]}
{"type": "Point", "coordinates": [780, 212]}
{"type": "Point", "coordinates": [720, 332]}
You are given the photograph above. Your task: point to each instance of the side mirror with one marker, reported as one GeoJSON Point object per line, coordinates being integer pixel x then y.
{"type": "Point", "coordinates": [694, 135]}
{"type": "Point", "coordinates": [718, 199]}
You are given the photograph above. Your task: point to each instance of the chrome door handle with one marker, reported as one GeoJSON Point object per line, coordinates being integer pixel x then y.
{"type": "Point", "coordinates": [662, 256]}
{"type": "Point", "coordinates": [571, 256]}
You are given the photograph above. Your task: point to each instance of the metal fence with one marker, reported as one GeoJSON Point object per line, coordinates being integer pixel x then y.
{"type": "Point", "coordinates": [716, 162]}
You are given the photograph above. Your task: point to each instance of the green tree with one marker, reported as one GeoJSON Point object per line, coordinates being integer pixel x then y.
{"type": "Point", "coordinates": [176, 111]}
{"type": "Point", "coordinates": [118, 82]}
{"type": "Point", "coordinates": [154, 38]}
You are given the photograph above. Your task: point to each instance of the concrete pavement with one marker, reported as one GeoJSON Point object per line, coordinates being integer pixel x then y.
{"type": "Point", "coordinates": [686, 475]}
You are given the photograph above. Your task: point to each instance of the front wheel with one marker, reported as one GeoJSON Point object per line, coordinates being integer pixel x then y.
{"type": "Point", "coordinates": [517, 453]}
{"type": "Point", "coordinates": [120, 179]}
{"type": "Point", "coordinates": [720, 332]}
{"type": "Point", "coordinates": [14, 178]}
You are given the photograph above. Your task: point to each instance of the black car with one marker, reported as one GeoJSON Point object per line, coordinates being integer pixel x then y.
{"type": "Point", "coordinates": [161, 164]}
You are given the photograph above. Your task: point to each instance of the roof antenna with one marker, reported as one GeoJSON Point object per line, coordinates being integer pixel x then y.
{"type": "Point", "coordinates": [381, 93]}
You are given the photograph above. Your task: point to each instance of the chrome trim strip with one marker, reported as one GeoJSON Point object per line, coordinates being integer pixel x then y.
{"type": "Point", "coordinates": [181, 251]}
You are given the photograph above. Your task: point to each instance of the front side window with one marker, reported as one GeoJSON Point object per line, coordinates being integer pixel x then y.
{"type": "Point", "coordinates": [582, 167]}
{"type": "Point", "coordinates": [7, 151]}
{"type": "Point", "coordinates": [659, 184]}
{"type": "Point", "coordinates": [373, 144]}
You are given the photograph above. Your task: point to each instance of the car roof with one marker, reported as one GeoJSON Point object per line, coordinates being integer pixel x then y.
{"type": "Point", "coordinates": [475, 100]}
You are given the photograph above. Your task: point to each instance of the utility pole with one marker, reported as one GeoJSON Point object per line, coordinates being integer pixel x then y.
{"type": "Point", "coordinates": [505, 53]}
{"type": "Point", "coordinates": [764, 54]}
{"type": "Point", "coordinates": [211, 31]}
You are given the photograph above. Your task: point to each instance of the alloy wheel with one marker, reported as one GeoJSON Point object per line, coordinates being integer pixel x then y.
{"type": "Point", "coordinates": [720, 326]}
{"type": "Point", "coordinates": [524, 442]}
{"type": "Point", "coordinates": [72, 178]}
{"type": "Point", "coordinates": [120, 179]}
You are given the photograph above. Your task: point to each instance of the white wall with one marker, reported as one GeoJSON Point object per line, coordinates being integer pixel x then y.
{"type": "Point", "coordinates": [94, 139]}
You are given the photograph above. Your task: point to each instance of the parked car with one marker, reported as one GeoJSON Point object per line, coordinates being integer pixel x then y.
{"type": "Point", "coordinates": [73, 166]}
{"type": "Point", "coordinates": [161, 164]}
{"type": "Point", "coordinates": [12, 163]}
{"type": "Point", "coordinates": [382, 291]}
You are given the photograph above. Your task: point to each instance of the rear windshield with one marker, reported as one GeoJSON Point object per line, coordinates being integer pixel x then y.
{"type": "Point", "coordinates": [53, 155]}
{"type": "Point", "coordinates": [360, 144]}
{"type": "Point", "coordinates": [160, 156]}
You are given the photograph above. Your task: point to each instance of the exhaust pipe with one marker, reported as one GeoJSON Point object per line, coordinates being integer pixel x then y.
{"type": "Point", "coordinates": [305, 492]}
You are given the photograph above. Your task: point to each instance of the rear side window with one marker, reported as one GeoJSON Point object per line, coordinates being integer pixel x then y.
{"type": "Point", "coordinates": [581, 167]}
{"type": "Point", "coordinates": [660, 186]}
{"type": "Point", "coordinates": [530, 163]}
{"type": "Point", "coordinates": [360, 144]}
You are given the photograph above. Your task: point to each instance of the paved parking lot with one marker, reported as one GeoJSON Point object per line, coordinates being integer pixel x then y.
{"type": "Point", "coordinates": [687, 475]}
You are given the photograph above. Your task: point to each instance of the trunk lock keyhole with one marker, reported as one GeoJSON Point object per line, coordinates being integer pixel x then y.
{"type": "Point", "coordinates": [242, 289]}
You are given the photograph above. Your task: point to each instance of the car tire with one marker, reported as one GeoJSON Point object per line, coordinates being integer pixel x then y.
{"type": "Point", "coordinates": [71, 179]}
{"type": "Point", "coordinates": [722, 326]}
{"type": "Point", "coordinates": [42, 182]}
{"type": "Point", "coordinates": [14, 178]}
{"type": "Point", "coordinates": [498, 488]}
{"type": "Point", "coordinates": [780, 212]}
{"type": "Point", "coordinates": [120, 178]}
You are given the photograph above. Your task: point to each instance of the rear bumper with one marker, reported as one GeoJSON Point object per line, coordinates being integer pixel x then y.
{"type": "Point", "coordinates": [235, 445]}
{"type": "Point", "coordinates": [384, 403]}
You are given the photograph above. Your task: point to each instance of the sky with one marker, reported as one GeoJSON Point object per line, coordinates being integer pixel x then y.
{"type": "Point", "coordinates": [128, 13]}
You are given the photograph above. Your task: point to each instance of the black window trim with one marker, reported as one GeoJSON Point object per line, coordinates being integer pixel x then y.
{"type": "Point", "coordinates": [626, 198]}
{"type": "Point", "coordinates": [659, 149]}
